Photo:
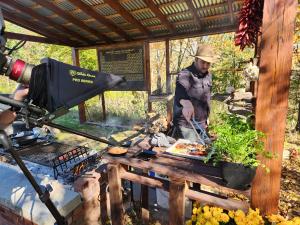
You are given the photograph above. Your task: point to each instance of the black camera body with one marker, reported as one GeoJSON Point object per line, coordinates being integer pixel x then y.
{"type": "Point", "coordinates": [15, 69]}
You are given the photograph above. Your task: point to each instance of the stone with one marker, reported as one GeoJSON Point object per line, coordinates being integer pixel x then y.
{"type": "Point", "coordinates": [18, 195]}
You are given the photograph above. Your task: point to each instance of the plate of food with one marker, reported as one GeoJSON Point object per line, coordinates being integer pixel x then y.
{"type": "Point", "coordinates": [187, 149]}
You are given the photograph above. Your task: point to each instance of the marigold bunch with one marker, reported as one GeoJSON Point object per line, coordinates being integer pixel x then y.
{"type": "Point", "coordinates": [205, 215]}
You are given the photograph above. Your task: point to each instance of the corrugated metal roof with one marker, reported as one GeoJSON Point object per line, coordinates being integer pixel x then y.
{"type": "Point", "coordinates": [141, 20]}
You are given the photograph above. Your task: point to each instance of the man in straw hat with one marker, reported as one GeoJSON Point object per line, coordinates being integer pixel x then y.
{"type": "Point", "coordinates": [192, 94]}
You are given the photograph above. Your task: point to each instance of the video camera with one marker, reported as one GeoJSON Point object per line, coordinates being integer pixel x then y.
{"type": "Point", "coordinates": [53, 85]}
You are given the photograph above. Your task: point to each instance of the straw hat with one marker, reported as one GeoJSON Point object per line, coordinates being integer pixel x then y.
{"type": "Point", "coordinates": [206, 53]}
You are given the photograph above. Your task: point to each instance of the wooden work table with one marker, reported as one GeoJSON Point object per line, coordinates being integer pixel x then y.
{"type": "Point", "coordinates": [181, 172]}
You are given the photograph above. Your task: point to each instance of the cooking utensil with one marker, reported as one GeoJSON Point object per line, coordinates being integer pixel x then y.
{"type": "Point", "coordinates": [196, 133]}
{"type": "Point", "coordinates": [202, 132]}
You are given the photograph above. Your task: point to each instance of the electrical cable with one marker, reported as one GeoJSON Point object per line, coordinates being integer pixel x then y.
{"type": "Point", "coordinates": [19, 45]}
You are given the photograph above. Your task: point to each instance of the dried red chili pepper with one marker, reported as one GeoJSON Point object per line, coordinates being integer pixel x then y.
{"type": "Point", "coordinates": [250, 22]}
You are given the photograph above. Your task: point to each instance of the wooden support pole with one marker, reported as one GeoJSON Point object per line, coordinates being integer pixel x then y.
{"type": "Point", "coordinates": [101, 96]}
{"type": "Point", "coordinates": [81, 106]}
{"type": "Point", "coordinates": [177, 201]}
{"type": "Point", "coordinates": [272, 97]}
{"type": "Point", "coordinates": [103, 199]}
{"type": "Point", "coordinates": [115, 194]}
{"type": "Point", "coordinates": [145, 205]}
{"type": "Point", "coordinates": [168, 82]}
{"type": "Point", "coordinates": [147, 72]}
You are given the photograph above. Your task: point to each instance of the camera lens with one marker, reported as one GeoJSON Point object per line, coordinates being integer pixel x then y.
{"type": "Point", "coordinates": [19, 71]}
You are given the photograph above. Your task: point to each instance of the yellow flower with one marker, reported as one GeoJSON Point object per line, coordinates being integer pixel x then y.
{"type": "Point", "coordinates": [224, 218]}
{"type": "Point", "coordinates": [275, 218]}
{"type": "Point", "coordinates": [214, 221]}
{"type": "Point", "coordinates": [199, 210]}
{"type": "Point", "coordinates": [239, 213]}
{"type": "Point", "coordinates": [189, 222]}
{"type": "Point", "coordinates": [195, 210]}
{"type": "Point", "coordinates": [296, 220]}
{"type": "Point", "coordinates": [207, 215]}
{"type": "Point", "coordinates": [194, 218]}
{"type": "Point", "coordinates": [206, 208]}
{"type": "Point", "coordinates": [231, 214]}
{"type": "Point", "coordinates": [201, 220]}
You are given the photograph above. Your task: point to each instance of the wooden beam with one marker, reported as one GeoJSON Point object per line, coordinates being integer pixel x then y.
{"type": "Point", "coordinates": [187, 22]}
{"type": "Point", "coordinates": [93, 13]}
{"type": "Point", "coordinates": [67, 16]}
{"type": "Point", "coordinates": [168, 82]}
{"type": "Point", "coordinates": [177, 202]}
{"type": "Point", "coordinates": [39, 17]}
{"type": "Point", "coordinates": [101, 96]}
{"type": "Point", "coordinates": [272, 97]}
{"type": "Point", "coordinates": [154, 8]}
{"type": "Point", "coordinates": [103, 193]}
{"type": "Point", "coordinates": [145, 214]}
{"type": "Point", "coordinates": [204, 32]}
{"type": "Point", "coordinates": [161, 6]}
{"type": "Point", "coordinates": [230, 9]}
{"type": "Point", "coordinates": [116, 202]}
{"type": "Point", "coordinates": [194, 13]}
{"type": "Point", "coordinates": [36, 28]}
{"type": "Point", "coordinates": [24, 37]}
{"type": "Point", "coordinates": [81, 106]}
{"type": "Point", "coordinates": [127, 16]}
{"type": "Point", "coordinates": [229, 204]}
{"type": "Point", "coordinates": [147, 73]}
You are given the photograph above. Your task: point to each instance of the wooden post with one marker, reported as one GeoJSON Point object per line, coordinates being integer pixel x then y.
{"type": "Point", "coordinates": [176, 202]}
{"type": "Point", "coordinates": [168, 82]}
{"type": "Point", "coordinates": [103, 199]}
{"type": "Point", "coordinates": [101, 96]}
{"type": "Point", "coordinates": [115, 194]}
{"type": "Point", "coordinates": [147, 72]}
{"type": "Point", "coordinates": [145, 205]}
{"type": "Point", "coordinates": [272, 97]}
{"type": "Point", "coordinates": [81, 106]}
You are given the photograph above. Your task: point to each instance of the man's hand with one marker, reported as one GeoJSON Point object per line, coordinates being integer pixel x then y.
{"type": "Point", "coordinates": [188, 109]}
{"type": "Point", "coordinates": [7, 116]}
{"type": "Point", "coordinates": [20, 93]}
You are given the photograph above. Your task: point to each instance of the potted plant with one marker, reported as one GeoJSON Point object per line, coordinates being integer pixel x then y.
{"type": "Point", "coordinates": [236, 149]}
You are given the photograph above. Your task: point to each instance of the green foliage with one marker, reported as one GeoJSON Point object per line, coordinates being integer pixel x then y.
{"type": "Point", "coordinates": [128, 106]}
{"type": "Point", "coordinates": [88, 59]}
{"type": "Point", "coordinates": [237, 141]}
{"type": "Point", "coordinates": [226, 72]}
